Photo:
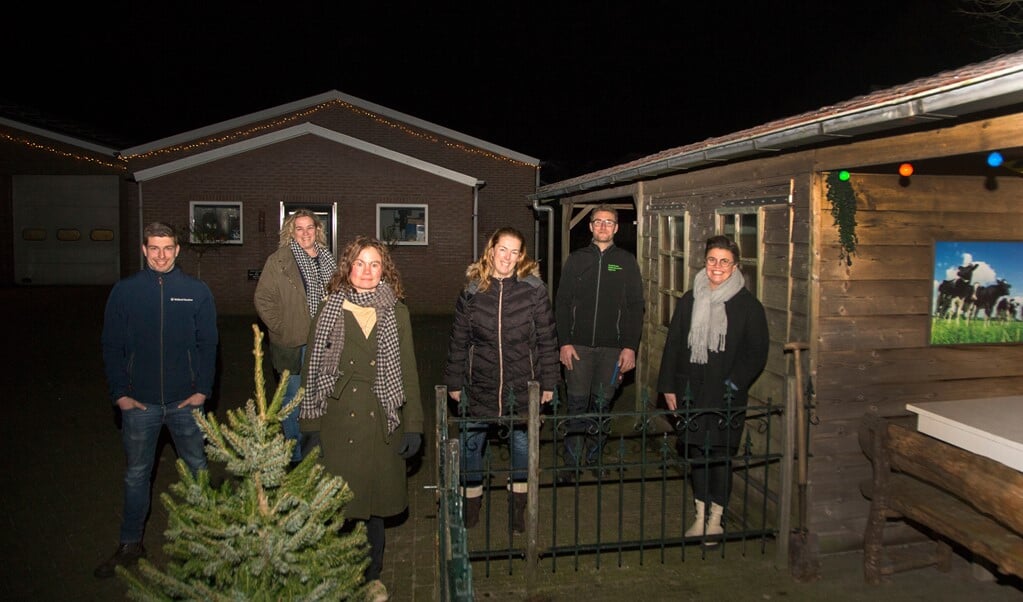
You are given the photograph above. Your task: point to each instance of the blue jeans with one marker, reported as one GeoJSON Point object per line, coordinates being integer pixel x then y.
{"type": "Point", "coordinates": [140, 431]}
{"type": "Point", "coordinates": [474, 444]}
{"type": "Point", "coordinates": [290, 422]}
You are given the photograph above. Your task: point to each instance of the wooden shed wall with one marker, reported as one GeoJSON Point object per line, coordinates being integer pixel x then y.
{"type": "Point", "coordinates": [872, 333]}
{"type": "Point", "coordinates": [867, 323]}
{"type": "Point", "coordinates": [783, 273]}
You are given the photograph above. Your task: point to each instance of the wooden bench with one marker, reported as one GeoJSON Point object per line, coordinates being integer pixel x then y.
{"type": "Point", "coordinates": [971, 500]}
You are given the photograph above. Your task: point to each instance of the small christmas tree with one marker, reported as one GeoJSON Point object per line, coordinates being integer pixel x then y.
{"type": "Point", "coordinates": [266, 533]}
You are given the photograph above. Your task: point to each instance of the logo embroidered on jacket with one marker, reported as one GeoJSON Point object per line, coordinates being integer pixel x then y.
{"type": "Point", "coordinates": [614, 267]}
{"type": "Point", "coordinates": [181, 299]}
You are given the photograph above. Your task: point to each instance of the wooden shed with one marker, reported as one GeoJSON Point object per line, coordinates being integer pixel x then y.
{"type": "Point", "coordinates": [434, 193]}
{"type": "Point", "coordinates": [847, 266]}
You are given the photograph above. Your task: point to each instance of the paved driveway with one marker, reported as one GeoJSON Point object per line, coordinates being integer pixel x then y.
{"type": "Point", "coordinates": [60, 490]}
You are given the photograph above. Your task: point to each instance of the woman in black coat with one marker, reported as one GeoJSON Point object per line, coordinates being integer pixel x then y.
{"type": "Point", "coordinates": [503, 337]}
{"type": "Point", "coordinates": [716, 348]}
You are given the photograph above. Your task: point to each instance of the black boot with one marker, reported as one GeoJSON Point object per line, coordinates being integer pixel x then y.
{"type": "Point", "coordinates": [126, 555]}
{"type": "Point", "coordinates": [471, 506]}
{"type": "Point", "coordinates": [517, 512]}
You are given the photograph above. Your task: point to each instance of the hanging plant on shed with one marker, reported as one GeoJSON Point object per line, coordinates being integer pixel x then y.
{"type": "Point", "coordinates": [843, 209]}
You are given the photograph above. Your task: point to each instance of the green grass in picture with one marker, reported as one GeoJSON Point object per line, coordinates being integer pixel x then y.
{"type": "Point", "coordinates": [951, 332]}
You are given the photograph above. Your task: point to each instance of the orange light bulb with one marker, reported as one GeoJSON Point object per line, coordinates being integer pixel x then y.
{"type": "Point", "coordinates": [906, 170]}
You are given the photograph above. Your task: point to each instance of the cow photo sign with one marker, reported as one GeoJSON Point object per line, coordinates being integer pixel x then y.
{"type": "Point", "coordinates": [977, 293]}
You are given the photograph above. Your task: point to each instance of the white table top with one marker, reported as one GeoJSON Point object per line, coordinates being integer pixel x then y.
{"type": "Point", "coordinates": [990, 427]}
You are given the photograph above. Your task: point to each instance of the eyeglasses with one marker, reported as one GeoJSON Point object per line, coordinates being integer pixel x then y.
{"type": "Point", "coordinates": [723, 262]}
{"type": "Point", "coordinates": [607, 223]}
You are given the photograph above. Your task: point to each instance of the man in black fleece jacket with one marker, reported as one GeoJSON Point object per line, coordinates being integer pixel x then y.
{"type": "Point", "coordinates": [599, 313]}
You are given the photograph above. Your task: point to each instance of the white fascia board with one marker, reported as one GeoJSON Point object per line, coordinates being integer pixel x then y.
{"type": "Point", "coordinates": [298, 105]}
{"type": "Point", "coordinates": [294, 132]}
{"type": "Point", "coordinates": [58, 137]}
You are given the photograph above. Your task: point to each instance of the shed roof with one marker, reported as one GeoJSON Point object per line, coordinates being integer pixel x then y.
{"type": "Point", "coordinates": [984, 86]}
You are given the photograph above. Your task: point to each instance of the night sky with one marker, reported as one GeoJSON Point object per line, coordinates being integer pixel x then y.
{"type": "Point", "coordinates": [579, 85]}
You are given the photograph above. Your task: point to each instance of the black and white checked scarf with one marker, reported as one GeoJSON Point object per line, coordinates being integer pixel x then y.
{"type": "Point", "coordinates": [315, 274]}
{"type": "Point", "coordinates": [329, 340]}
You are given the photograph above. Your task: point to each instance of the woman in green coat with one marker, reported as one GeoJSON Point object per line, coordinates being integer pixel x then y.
{"type": "Point", "coordinates": [362, 390]}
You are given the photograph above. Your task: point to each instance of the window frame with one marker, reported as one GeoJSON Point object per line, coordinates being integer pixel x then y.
{"type": "Point", "coordinates": [394, 217]}
{"type": "Point", "coordinates": [221, 210]}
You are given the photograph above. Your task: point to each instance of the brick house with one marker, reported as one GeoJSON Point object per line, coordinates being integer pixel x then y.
{"type": "Point", "coordinates": [433, 192]}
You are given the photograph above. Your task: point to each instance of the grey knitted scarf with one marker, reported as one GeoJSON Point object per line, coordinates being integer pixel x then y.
{"type": "Point", "coordinates": [316, 273]}
{"type": "Point", "coordinates": [329, 340]}
{"type": "Point", "coordinates": [709, 323]}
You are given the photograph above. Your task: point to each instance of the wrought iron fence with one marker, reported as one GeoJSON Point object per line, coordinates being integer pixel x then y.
{"type": "Point", "coordinates": [632, 496]}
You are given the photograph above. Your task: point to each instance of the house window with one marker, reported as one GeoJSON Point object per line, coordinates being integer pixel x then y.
{"type": "Point", "coordinates": [672, 268]}
{"type": "Point", "coordinates": [400, 224]}
{"type": "Point", "coordinates": [215, 223]}
{"type": "Point", "coordinates": [327, 214]}
{"type": "Point", "coordinates": [742, 225]}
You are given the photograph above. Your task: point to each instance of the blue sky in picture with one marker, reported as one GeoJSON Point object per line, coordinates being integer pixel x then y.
{"type": "Point", "coordinates": [996, 260]}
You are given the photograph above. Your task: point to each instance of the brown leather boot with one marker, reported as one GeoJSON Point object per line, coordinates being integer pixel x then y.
{"type": "Point", "coordinates": [471, 507]}
{"type": "Point", "coordinates": [517, 512]}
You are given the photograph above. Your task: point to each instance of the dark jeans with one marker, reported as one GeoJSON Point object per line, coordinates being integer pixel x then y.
{"type": "Point", "coordinates": [290, 423]}
{"type": "Point", "coordinates": [590, 390]}
{"type": "Point", "coordinates": [710, 475]}
{"type": "Point", "coordinates": [140, 431]}
{"type": "Point", "coordinates": [474, 444]}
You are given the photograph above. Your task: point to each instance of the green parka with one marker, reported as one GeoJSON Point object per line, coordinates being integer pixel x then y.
{"type": "Point", "coordinates": [353, 432]}
{"type": "Point", "coordinates": [281, 304]}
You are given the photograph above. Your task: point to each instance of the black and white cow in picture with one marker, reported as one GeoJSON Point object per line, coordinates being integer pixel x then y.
{"type": "Point", "coordinates": [956, 296]}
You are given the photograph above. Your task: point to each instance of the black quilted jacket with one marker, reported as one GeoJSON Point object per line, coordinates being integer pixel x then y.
{"type": "Point", "coordinates": [501, 339]}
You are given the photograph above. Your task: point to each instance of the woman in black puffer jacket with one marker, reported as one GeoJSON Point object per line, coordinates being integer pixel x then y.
{"type": "Point", "coordinates": [503, 337]}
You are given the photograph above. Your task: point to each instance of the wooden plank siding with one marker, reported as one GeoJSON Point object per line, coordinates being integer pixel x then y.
{"type": "Point", "coordinates": [782, 289]}
{"type": "Point", "coordinates": [872, 348]}
{"type": "Point", "coordinates": [867, 323]}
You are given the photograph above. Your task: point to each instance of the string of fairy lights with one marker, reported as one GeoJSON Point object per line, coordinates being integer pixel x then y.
{"type": "Point", "coordinates": [63, 153]}
{"type": "Point", "coordinates": [842, 197]}
{"type": "Point", "coordinates": [271, 125]}
{"type": "Point", "coordinates": [275, 123]}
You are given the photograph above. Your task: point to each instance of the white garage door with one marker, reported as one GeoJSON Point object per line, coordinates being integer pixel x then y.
{"type": "Point", "coordinates": [66, 230]}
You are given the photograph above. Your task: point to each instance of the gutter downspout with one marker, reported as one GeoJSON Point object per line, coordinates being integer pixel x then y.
{"type": "Point", "coordinates": [550, 233]}
{"type": "Point", "coordinates": [141, 242]}
{"type": "Point", "coordinates": [476, 218]}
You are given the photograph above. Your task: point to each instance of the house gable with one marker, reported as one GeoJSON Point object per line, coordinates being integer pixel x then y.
{"type": "Point", "coordinates": [320, 101]}
{"type": "Point", "coordinates": [293, 132]}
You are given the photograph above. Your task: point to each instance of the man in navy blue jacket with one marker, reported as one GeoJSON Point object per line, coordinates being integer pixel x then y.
{"type": "Point", "coordinates": [159, 350]}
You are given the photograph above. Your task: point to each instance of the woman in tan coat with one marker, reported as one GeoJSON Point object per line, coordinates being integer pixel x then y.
{"type": "Point", "coordinates": [362, 390]}
{"type": "Point", "coordinates": [291, 287]}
